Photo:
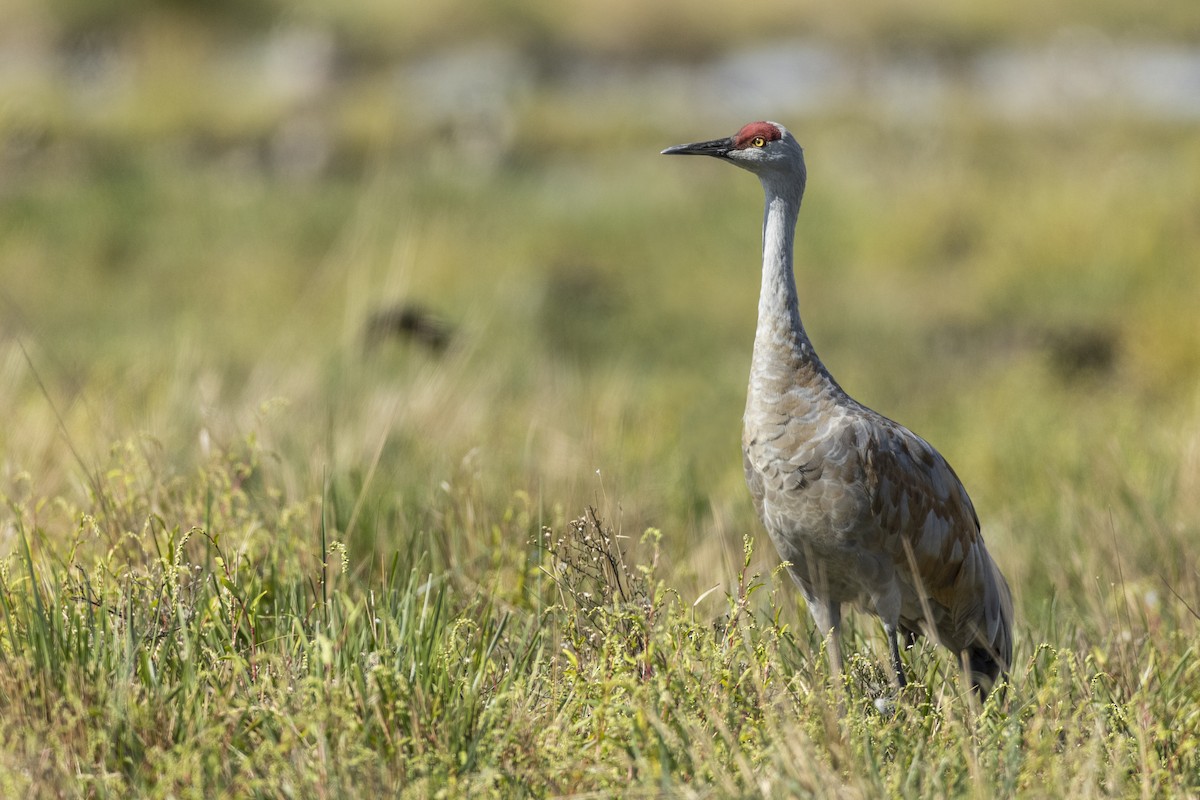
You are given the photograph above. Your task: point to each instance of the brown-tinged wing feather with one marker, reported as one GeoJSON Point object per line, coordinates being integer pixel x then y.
{"type": "Point", "coordinates": [930, 522]}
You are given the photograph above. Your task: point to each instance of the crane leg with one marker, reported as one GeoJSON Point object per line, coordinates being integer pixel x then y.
{"type": "Point", "coordinates": [828, 617]}
{"type": "Point", "coordinates": [893, 637]}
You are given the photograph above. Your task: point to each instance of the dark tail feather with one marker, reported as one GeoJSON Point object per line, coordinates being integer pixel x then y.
{"type": "Point", "coordinates": [989, 661]}
{"type": "Point", "coordinates": [986, 669]}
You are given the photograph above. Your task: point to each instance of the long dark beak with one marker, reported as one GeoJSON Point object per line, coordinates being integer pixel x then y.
{"type": "Point", "coordinates": [717, 147]}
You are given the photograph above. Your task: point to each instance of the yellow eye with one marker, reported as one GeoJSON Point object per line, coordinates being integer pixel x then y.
{"type": "Point", "coordinates": [758, 141]}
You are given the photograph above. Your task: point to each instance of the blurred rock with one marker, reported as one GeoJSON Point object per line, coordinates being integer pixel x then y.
{"type": "Point", "coordinates": [1081, 351]}
{"type": "Point", "coordinates": [408, 322]}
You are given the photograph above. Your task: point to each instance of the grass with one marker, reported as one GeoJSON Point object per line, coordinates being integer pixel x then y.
{"type": "Point", "coordinates": [149, 655]}
{"type": "Point", "coordinates": [243, 552]}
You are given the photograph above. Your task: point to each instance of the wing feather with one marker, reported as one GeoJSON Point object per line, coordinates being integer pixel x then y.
{"type": "Point", "coordinates": [930, 523]}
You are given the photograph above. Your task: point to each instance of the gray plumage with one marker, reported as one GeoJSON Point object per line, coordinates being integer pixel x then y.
{"type": "Point", "coordinates": [864, 511]}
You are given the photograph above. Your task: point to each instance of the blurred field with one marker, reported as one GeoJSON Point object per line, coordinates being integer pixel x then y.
{"type": "Point", "coordinates": [253, 545]}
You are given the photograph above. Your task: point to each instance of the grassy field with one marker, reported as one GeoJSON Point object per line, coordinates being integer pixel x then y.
{"type": "Point", "coordinates": [249, 548]}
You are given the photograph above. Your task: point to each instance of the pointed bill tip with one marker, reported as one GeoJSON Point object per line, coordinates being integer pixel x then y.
{"type": "Point", "coordinates": [716, 147]}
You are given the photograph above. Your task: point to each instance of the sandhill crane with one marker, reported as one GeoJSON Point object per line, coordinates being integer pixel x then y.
{"type": "Point", "coordinates": [863, 510]}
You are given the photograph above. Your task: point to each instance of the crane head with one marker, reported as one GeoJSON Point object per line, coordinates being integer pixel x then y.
{"type": "Point", "coordinates": [764, 148]}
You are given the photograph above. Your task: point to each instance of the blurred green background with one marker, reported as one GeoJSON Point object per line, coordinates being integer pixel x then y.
{"type": "Point", "coordinates": [205, 208]}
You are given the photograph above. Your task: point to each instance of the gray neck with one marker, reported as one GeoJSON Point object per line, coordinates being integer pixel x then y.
{"type": "Point", "coordinates": [778, 304]}
{"type": "Point", "coordinates": [782, 349]}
